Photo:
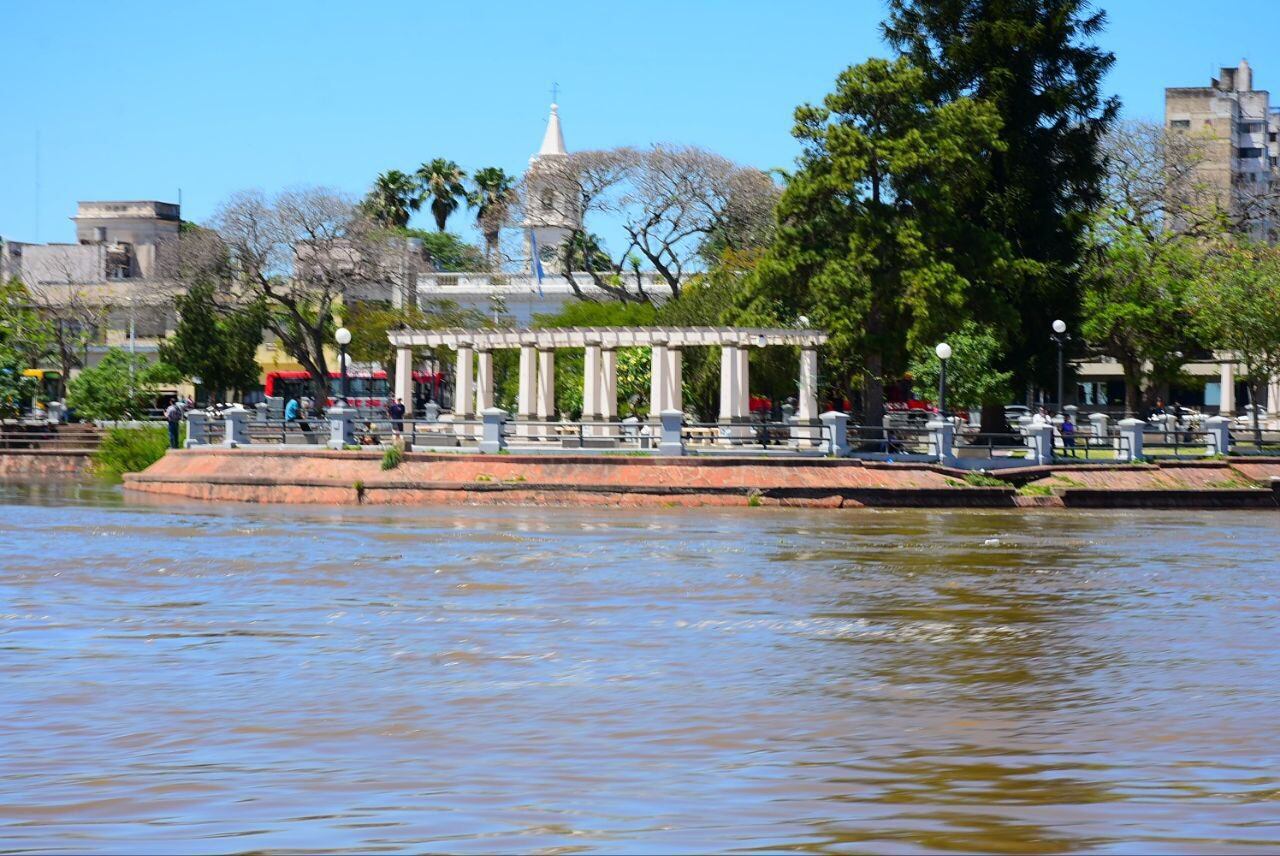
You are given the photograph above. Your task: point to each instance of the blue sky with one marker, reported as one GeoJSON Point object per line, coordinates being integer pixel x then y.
{"type": "Point", "coordinates": [134, 100]}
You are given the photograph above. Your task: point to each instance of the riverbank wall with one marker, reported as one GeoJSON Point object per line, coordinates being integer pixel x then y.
{"type": "Point", "coordinates": [43, 464]}
{"type": "Point", "coordinates": [297, 475]}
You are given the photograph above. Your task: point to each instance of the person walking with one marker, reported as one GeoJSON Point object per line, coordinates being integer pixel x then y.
{"type": "Point", "coordinates": [396, 411]}
{"type": "Point", "coordinates": [173, 416]}
{"type": "Point", "coordinates": [1068, 434]}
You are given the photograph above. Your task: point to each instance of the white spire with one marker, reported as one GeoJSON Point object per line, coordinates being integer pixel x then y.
{"type": "Point", "coordinates": [553, 140]}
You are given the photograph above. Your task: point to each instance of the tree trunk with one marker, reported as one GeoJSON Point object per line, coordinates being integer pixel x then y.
{"type": "Point", "coordinates": [873, 392]}
{"type": "Point", "coordinates": [1132, 388]}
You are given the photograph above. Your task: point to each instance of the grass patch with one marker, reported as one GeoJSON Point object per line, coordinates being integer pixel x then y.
{"type": "Point", "coordinates": [131, 450]}
{"type": "Point", "coordinates": [359, 486]}
{"type": "Point", "coordinates": [484, 477]}
{"type": "Point", "coordinates": [1035, 490]}
{"type": "Point", "coordinates": [392, 458]}
{"type": "Point", "coordinates": [753, 499]}
{"type": "Point", "coordinates": [983, 480]}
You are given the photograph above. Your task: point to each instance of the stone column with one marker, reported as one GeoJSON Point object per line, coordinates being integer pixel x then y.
{"type": "Point", "coordinates": [807, 405]}
{"type": "Point", "coordinates": [462, 384]}
{"type": "Point", "coordinates": [1098, 427]}
{"type": "Point", "coordinates": [743, 376]}
{"type": "Point", "coordinates": [592, 383]}
{"type": "Point", "coordinates": [404, 378]}
{"type": "Point", "coordinates": [609, 386]}
{"type": "Point", "coordinates": [546, 403]}
{"type": "Point", "coordinates": [527, 393]}
{"type": "Point", "coordinates": [675, 380]}
{"type": "Point", "coordinates": [728, 383]}
{"type": "Point", "coordinates": [657, 380]}
{"type": "Point", "coordinates": [484, 380]}
{"type": "Point", "coordinates": [1227, 399]}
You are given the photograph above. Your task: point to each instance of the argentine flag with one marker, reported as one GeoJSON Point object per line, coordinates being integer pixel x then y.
{"type": "Point", "coordinates": [537, 259]}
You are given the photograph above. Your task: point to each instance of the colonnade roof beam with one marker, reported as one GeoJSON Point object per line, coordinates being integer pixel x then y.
{"type": "Point", "coordinates": [609, 337]}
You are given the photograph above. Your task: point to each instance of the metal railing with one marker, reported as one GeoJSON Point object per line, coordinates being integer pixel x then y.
{"type": "Point", "coordinates": [992, 444]}
{"type": "Point", "coordinates": [1091, 447]}
{"type": "Point", "coordinates": [1182, 443]}
{"type": "Point", "coordinates": [895, 440]}
{"type": "Point", "coordinates": [1259, 442]}
{"type": "Point", "coordinates": [622, 436]}
{"type": "Point", "coordinates": [47, 437]}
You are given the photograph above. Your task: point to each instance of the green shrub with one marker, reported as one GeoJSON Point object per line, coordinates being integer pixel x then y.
{"type": "Point", "coordinates": [984, 480]}
{"type": "Point", "coordinates": [130, 450]}
{"type": "Point", "coordinates": [392, 458]}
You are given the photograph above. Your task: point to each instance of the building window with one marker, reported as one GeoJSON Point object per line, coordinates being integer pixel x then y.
{"type": "Point", "coordinates": [1252, 127]}
{"type": "Point", "coordinates": [1272, 136]}
{"type": "Point", "coordinates": [1250, 153]}
{"type": "Point", "coordinates": [1180, 124]}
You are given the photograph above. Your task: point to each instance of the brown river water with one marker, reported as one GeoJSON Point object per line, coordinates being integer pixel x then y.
{"type": "Point", "coordinates": [232, 678]}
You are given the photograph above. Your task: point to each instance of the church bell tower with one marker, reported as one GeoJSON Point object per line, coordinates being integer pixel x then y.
{"type": "Point", "coordinates": [551, 213]}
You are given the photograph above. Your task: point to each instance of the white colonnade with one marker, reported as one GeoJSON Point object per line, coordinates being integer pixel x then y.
{"type": "Point", "coordinates": [535, 399]}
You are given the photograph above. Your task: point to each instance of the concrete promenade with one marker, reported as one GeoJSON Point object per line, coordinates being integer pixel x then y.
{"type": "Point", "coordinates": [300, 475]}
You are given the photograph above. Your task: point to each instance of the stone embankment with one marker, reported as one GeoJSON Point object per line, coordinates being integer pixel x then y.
{"type": "Point", "coordinates": [333, 477]}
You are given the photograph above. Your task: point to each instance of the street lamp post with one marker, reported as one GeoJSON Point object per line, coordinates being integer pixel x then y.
{"type": "Point", "coordinates": [944, 353]}
{"type": "Point", "coordinates": [343, 337]}
{"type": "Point", "coordinates": [1060, 338]}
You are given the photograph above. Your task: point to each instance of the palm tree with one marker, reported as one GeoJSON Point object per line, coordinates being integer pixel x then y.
{"type": "Point", "coordinates": [492, 198]}
{"type": "Point", "coordinates": [393, 199]}
{"type": "Point", "coordinates": [441, 181]}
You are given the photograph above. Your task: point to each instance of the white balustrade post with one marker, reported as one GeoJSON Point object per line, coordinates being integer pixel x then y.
{"type": "Point", "coordinates": [1099, 429]}
{"type": "Point", "coordinates": [836, 425]}
{"type": "Point", "coordinates": [942, 440]}
{"type": "Point", "coordinates": [237, 427]}
{"type": "Point", "coordinates": [197, 423]}
{"type": "Point", "coordinates": [528, 391]}
{"type": "Point", "coordinates": [1219, 440]}
{"type": "Point", "coordinates": [493, 439]}
{"type": "Point", "coordinates": [342, 427]}
{"type": "Point", "coordinates": [1130, 435]}
{"type": "Point", "coordinates": [546, 389]}
{"type": "Point", "coordinates": [1273, 395]}
{"type": "Point", "coordinates": [672, 439]}
{"type": "Point", "coordinates": [404, 378]}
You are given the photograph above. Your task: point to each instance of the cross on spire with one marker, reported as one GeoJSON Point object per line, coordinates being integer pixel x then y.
{"type": "Point", "coordinates": [555, 91]}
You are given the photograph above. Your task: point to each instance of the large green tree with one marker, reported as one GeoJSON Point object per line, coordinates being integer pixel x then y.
{"type": "Point", "coordinates": [871, 241]}
{"type": "Point", "coordinates": [1237, 304]}
{"type": "Point", "coordinates": [215, 343]}
{"type": "Point", "coordinates": [441, 182]}
{"type": "Point", "coordinates": [120, 386]}
{"type": "Point", "coordinates": [973, 378]}
{"type": "Point", "coordinates": [1036, 63]}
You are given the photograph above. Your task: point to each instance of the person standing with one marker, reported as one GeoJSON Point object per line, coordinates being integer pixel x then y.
{"type": "Point", "coordinates": [173, 416]}
{"type": "Point", "coordinates": [396, 411]}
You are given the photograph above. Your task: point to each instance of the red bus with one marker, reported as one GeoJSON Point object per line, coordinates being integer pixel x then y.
{"type": "Point", "coordinates": [367, 389]}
